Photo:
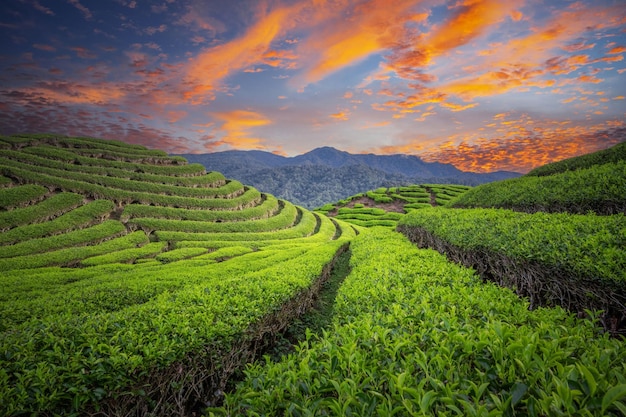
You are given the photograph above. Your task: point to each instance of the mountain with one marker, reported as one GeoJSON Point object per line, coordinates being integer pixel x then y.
{"type": "Point", "coordinates": [327, 174]}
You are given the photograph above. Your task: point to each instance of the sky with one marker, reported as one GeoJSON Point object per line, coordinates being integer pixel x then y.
{"type": "Point", "coordinates": [485, 85]}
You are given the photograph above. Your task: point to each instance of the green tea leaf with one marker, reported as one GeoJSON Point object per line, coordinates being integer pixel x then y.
{"type": "Point", "coordinates": [591, 381]}
{"type": "Point", "coordinates": [613, 395]}
{"type": "Point", "coordinates": [518, 391]}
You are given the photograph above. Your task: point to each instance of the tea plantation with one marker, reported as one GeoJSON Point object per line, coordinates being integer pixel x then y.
{"type": "Point", "coordinates": [135, 283]}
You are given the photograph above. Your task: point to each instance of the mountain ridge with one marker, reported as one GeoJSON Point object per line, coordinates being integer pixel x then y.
{"type": "Point", "coordinates": [298, 178]}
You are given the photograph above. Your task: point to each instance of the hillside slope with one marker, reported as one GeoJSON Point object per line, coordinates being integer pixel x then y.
{"type": "Point", "coordinates": [613, 154]}
{"type": "Point", "coordinates": [385, 206]}
{"type": "Point", "coordinates": [590, 183]}
{"type": "Point", "coordinates": [414, 335]}
{"type": "Point", "coordinates": [134, 282]}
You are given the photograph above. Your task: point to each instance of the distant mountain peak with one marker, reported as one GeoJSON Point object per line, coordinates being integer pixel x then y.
{"type": "Point", "coordinates": [327, 174]}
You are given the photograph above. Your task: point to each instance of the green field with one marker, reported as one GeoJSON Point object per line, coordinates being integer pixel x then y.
{"type": "Point", "coordinates": [137, 284]}
{"type": "Point", "coordinates": [386, 206]}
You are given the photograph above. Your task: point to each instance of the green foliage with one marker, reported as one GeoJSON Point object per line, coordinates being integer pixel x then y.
{"type": "Point", "coordinates": [249, 197]}
{"type": "Point", "coordinates": [231, 188]}
{"type": "Point", "coordinates": [85, 141]}
{"type": "Point", "coordinates": [111, 147]}
{"type": "Point", "coordinates": [379, 197]}
{"type": "Point", "coordinates": [30, 156]}
{"type": "Point", "coordinates": [417, 206]}
{"type": "Point", "coordinates": [4, 181]}
{"type": "Point", "coordinates": [127, 332]}
{"type": "Point", "coordinates": [78, 218]}
{"type": "Point", "coordinates": [40, 212]}
{"type": "Point", "coordinates": [600, 188]}
{"type": "Point", "coordinates": [267, 208]}
{"type": "Point", "coordinates": [282, 220]}
{"type": "Point", "coordinates": [415, 335]}
{"type": "Point", "coordinates": [90, 235]}
{"type": "Point", "coordinates": [416, 194]}
{"type": "Point", "coordinates": [97, 319]}
{"type": "Point", "coordinates": [369, 222]}
{"type": "Point", "coordinates": [371, 211]}
{"type": "Point", "coordinates": [409, 198]}
{"type": "Point", "coordinates": [584, 245]}
{"type": "Point", "coordinates": [20, 195]}
{"type": "Point", "coordinates": [574, 261]}
{"type": "Point", "coordinates": [17, 140]}
{"type": "Point", "coordinates": [304, 227]}
{"type": "Point", "coordinates": [52, 152]}
{"type": "Point", "coordinates": [225, 253]}
{"type": "Point", "coordinates": [444, 193]}
{"type": "Point", "coordinates": [70, 255]}
{"type": "Point", "coordinates": [179, 254]}
{"type": "Point", "coordinates": [126, 255]}
{"type": "Point", "coordinates": [326, 208]}
{"type": "Point", "coordinates": [614, 154]}
{"type": "Point", "coordinates": [328, 230]}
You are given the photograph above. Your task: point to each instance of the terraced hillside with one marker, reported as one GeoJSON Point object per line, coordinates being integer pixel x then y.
{"type": "Point", "coordinates": [556, 235]}
{"type": "Point", "coordinates": [385, 206]}
{"type": "Point", "coordinates": [133, 281]}
{"type": "Point", "coordinates": [137, 284]}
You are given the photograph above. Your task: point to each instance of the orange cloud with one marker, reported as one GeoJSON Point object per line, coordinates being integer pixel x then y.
{"type": "Point", "coordinates": [471, 19]}
{"type": "Point", "coordinates": [207, 70]}
{"type": "Point", "coordinates": [526, 62]}
{"type": "Point", "coordinates": [617, 50]}
{"type": "Point", "coordinates": [578, 46]}
{"type": "Point", "coordinates": [237, 129]}
{"type": "Point", "coordinates": [375, 125]}
{"type": "Point", "coordinates": [175, 116]}
{"type": "Point", "coordinates": [341, 115]}
{"type": "Point", "coordinates": [77, 93]}
{"type": "Point", "coordinates": [458, 107]}
{"type": "Point", "coordinates": [282, 59]}
{"type": "Point", "coordinates": [516, 15]}
{"type": "Point", "coordinates": [514, 143]}
{"type": "Point", "coordinates": [424, 115]}
{"type": "Point", "coordinates": [520, 153]}
{"type": "Point", "coordinates": [494, 83]}
{"type": "Point", "coordinates": [408, 103]}
{"type": "Point", "coordinates": [556, 34]}
{"type": "Point", "coordinates": [373, 26]}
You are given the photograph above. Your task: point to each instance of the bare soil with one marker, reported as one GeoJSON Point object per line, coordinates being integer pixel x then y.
{"type": "Point", "coordinates": [396, 206]}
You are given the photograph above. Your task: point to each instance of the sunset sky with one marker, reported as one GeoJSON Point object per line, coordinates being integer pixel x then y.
{"type": "Point", "coordinates": [483, 84]}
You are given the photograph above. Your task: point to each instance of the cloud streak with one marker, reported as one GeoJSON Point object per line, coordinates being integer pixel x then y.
{"type": "Point", "coordinates": [237, 129]}
{"type": "Point", "coordinates": [207, 71]}
{"type": "Point", "coordinates": [84, 10]}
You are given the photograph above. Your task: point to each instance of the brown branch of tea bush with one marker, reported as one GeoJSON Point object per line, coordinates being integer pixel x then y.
{"type": "Point", "coordinates": [543, 285]}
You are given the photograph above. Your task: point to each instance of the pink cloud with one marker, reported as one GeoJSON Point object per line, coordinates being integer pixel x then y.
{"type": "Point", "coordinates": [84, 10]}
{"type": "Point", "coordinates": [44, 47]}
